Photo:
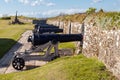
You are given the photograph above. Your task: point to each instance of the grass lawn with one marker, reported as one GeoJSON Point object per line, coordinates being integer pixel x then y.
{"type": "Point", "coordinates": [67, 45]}
{"type": "Point", "coordinates": [65, 68]}
{"type": "Point", "coordinates": [9, 34]}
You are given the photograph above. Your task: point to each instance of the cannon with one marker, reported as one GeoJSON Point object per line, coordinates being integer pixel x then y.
{"type": "Point", "coordinates": [47, 30]}
{"type": "Point", "coordinates": [39, 39]}
{"type": "Point", "coordinates": [48, 26]}
{"type": "Point", "coordinates": [43, 21]}
{"type": "Point", "coordinates": [37, 26]}
{"type": "Point", "coordinates": [44, 43]}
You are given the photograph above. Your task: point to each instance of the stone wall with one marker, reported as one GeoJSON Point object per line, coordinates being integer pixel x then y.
{"type": "Point", "coordinates": [103, 44]}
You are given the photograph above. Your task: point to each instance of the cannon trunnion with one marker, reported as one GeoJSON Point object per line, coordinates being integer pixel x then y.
{"type": "Point", "coordinates": [39, 39]}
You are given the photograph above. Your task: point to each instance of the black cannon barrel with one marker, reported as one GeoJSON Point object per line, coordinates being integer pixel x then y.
{"type": "Point", "coordinates": [50, 30]}
{"type": "Point", "coordinates": [39, 39]}
{"type": "Point", "coordinates": [50, 26]}
{"type": "Point", "coordinates": [45, 26]}
{"type": "Point", "coordinates": [43, 21]}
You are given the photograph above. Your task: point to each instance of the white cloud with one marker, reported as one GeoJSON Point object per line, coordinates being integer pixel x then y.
{"type": "Point", "coordinates": [0, 15]}
{"type": "Point", "coordinates": [41, 2]}
{"type": "Point", "coordinates": [34, 2]}
{"type": "Point", "coordinates": [96, 1]}
{"type": "Point", "coordinates": [24, 1]}
{"type": "Point", "coordinates": [37, 2]}
{"type": "Point", "coordinates": [50, 4]}
{"type": "Point", "coordinates": [51, 13]}
{"type": "Point", "coordinates": [7, 1]}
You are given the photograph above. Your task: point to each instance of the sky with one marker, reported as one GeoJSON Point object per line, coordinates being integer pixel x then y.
{"type": "Point", "coordinates": [50, 8]}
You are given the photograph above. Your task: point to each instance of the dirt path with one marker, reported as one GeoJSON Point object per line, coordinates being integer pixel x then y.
{"type": "Point", "coordinates": [32, 61]}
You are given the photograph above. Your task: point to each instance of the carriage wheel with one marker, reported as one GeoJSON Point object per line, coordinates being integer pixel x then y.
{"type": "Point", "coordinates": [18, 63]}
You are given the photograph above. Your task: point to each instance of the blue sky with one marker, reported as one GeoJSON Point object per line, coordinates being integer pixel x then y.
{"type": "Point", "coordinates": [48, 8]}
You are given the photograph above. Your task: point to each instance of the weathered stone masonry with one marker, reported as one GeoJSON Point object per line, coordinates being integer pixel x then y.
{"type": "Point", "coordinates": [103, 44]}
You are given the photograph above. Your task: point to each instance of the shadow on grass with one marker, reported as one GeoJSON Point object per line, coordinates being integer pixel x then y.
{"type": "Point", "coordinates": [7, 49]}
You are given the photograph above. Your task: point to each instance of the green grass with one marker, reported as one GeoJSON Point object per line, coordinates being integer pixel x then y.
{"type": "Point", "coordinates": [104, 20]}
{"type": "Point", "coordinates": [70, 45]}
{"type": "Point", "coordinates": [9, 34]}
{"type": "Point", "coordinates": [66, 45]}
{"type": "Point", "coordinates": [65, 68]}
